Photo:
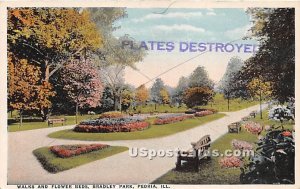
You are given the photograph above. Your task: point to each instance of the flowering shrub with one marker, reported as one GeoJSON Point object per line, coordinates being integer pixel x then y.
{"type": "Point", "coordinates": [113, 114]}
{"type": "Point", "coordinates": [66, 151]}
{"type": "Point", "coordinates": [241, 145]}
{"type": "Point", "coordinates": [107, 125]}
{"type": "Point", "coordinates": [280, 113]}
{"type": "Point", "coordinates": [230, 162]}
{"type": "Point", "coordinates": [171, 118]}
{"type": "Point", "coordinates": [252, 127]}
{"type": "Point", "coordinates": [203, 113]}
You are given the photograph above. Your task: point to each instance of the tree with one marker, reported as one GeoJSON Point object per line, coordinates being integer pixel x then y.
{"type": "Point", "coordinates": [127, 97]}
{"type": "Point", "coordinates": [48, 37]}
{"type": "Point", "coordinates": [81, 83]}
{"type": "Point", "coordinates": [229, 84]}
{"type": "Point", "coordinates": [198, 96]}
{"type": "Point", "coordinates": [275, 60]}
{"type": "Point", "coordinates": [260, 89]}
{"type": "Point", "coordinates": [142, 94]}
{"type": "Point", "coordinates": [157, 86]}
{"type": "Point", "coordinates": [199, 78]}
{"type": "Point", "coordinates": [25, 89]}
{"type": "Point", "coordinates": [181, 87]}
{"type": "Point", "coordinates": [164, 96]}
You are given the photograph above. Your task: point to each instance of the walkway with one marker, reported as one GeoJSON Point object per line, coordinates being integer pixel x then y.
{"type": "Point", "coordinates": [23, 167]}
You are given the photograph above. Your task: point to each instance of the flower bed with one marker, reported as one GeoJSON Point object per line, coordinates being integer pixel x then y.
{"type": "Point", "coordinates": [107, 125]}
{"type": "Point", "coordinates": [171, 118]}
{"type": "Point", "coordinates": [241, 145]}
{"type": "Point", "coordinates": [203, 113]}
{"type": "Point", "coordinates": [66, 151]}
{"type": "Point", "coordinates": [230, 162]}
{"type": "Point", "coordinates": [252, 127]}
{"type": "Point", "coordinates": [113, 114]}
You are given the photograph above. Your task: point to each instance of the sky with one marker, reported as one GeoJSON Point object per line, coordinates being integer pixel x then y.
{"type": "Point", "coordinates": [184, 26]}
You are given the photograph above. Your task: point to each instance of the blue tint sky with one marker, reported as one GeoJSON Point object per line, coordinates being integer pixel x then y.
{"type": "Point", "coordinates": [179, 25]}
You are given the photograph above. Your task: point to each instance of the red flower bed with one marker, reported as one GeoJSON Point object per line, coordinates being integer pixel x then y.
{"type": "Point", "coordinates": [230, 162]}
{"type": "Point", "coordinates": [66, 151]}
{"type": "Point", "coordinates": [253, 127]}
{"type": "Point", "coordinates": [167, 120]}
{"type": "Point", "coordinates": [129, 127]}
{"type": "Point", "coordinates": [203, 113]}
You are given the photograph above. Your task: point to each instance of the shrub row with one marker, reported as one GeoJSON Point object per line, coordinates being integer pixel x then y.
{"type": "Point", "coordinates": [171, 118]}
{"type": "Point", "coordinates": [66, 151]}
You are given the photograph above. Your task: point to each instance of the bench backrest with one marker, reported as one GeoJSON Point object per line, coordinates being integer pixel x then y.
{"type": "Point", "coordinates": [56, 120]}
{"type": "Point", "coordinates": [203, 143]}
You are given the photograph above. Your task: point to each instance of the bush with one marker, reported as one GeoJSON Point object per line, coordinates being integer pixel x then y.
{"type": "Point", "coordinates": [112, 114]}
{"type": "Point", "coordinates": [280, 113]}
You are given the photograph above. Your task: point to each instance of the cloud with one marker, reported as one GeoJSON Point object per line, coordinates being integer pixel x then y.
{"type": "Point", "coordinates": [211, 14]}
{"type": "Point", "coordinates": [168, 15]}
{"type": "Point", "coordinates": [238, 32]}
{"type": "Point", "coordinates": [179, 27]}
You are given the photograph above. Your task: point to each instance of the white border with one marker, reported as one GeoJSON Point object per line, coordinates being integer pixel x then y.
{"type": "Point", "coordinates": [137, 4]}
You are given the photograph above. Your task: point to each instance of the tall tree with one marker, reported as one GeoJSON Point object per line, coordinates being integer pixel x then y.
{"type": "Point", "coordinates": [199, 78]}
{"type": "Point", "coordinates": [275, 60]}
{"type": "Point", "coordinates": [49, 37]}
{"type": "Point", "coordinates": [25, 89]}
{"type": "Point", "coordinates": [157, 86]}
{"type": "Point", "coordinates": [82, 84]}
{"type": "Point", "coordinates": [260, 90]}
{"type": "Point", "coordinates": [181, 87]}
{"type": "Point", "coordinates": [165, 96]}
{"type": "Point", "coordinates": [229, 84]}
{"type": "Point", "coordinates": [142, 94]}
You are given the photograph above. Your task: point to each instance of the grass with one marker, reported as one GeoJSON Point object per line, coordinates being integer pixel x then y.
{"type": "Point", "coordinates": [54, 164]}
{"type": "Point", "coordinates": [70, 120]}
{"type": "Point", "coordinates": [220, 103]}
{"type": "Point", "coordinates": [210, 171]}
{"type": "Point", "coordinates": [154, 131]}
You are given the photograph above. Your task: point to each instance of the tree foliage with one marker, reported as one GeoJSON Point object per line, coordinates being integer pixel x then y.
{"type": "Point", "coordinates": [164, 96]}
{"type": "Point", "coordinates": [142, 94]}
{"type": "Point", "coordinates": [25, 89]}
{"type": "Point", "coordinates": [198, 96]}
{"type": "Point", "coordinates": [275, 60]}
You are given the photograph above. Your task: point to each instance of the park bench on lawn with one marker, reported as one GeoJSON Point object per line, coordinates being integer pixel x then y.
{"type": "Point", "coordinates": [199, 150]}
{"type": "Point", "coordinates": [234, 127]}
{"type": "Point", "coordinates": [253, 114]}
{"type": "Point", "coordinates": [52, 121]}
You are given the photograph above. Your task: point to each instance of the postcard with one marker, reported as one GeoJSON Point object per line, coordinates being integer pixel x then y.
{"type": "Point", "coordinates": [149, 94]}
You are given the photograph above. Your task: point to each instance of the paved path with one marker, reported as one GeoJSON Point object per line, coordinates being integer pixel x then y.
{"type": "Point", "coordinates": [23, 168]}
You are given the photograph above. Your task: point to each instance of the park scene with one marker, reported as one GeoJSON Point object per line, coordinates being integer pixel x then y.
{"type": "Point", "coordinates": [158, 96]}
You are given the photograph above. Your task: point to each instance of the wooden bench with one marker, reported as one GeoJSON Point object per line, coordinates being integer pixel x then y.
{"type": "Point", "coordinates": [199, 150]}
{"type": "Point", "coordinates": [253, 114]}
{"type": "Point", "coordinates": [234, 127]}
{"type": "Point", "coordinates": [56, 120]}
{"type": "Point", "coordinates": [245, 118]}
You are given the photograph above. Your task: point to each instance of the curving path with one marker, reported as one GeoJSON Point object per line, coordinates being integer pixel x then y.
{"type": "Point", "coordinates": [23, 167]}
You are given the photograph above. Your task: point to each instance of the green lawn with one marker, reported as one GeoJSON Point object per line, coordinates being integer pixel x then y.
{"type": "Point", "coordinates": [153, 132]}
{"type": "Point", "coordinates": [70, 120]}
{"type": "Point", "coordinates": [54, 164]}
{"type": "Point", "coordinates": [220, 104]}
{"type": "Point", "coordinates": [210, 172]}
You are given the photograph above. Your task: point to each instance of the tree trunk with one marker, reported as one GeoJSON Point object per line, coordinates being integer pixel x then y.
{"type": "Point", "coordinates": [228, 103]}
{"type": "Point", "coordinates": [260, 108]}
{"type": "Point", "coordinates": [21, 118]}
{"type": "Point", "coordinates": [76, 113]}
